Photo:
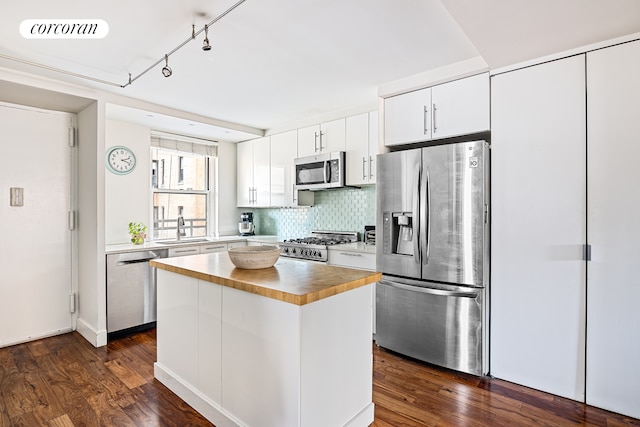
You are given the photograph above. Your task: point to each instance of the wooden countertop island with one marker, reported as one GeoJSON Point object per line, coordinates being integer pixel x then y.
{"type": "Point", "coordinates": [285, 346]}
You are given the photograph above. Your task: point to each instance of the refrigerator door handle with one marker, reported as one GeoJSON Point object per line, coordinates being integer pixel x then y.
{"type": "Point", "coordinates": [415, 215]}
{"type": "Point", "coordinates": [432, 291]}
{"type": "Point", "coordinates": [427, 213]}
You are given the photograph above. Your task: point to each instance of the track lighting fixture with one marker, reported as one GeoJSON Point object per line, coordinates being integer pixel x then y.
{"type": "Point", "coordinates": [166, 71]}
{"type": "Point", "coordinates": [205, 44]}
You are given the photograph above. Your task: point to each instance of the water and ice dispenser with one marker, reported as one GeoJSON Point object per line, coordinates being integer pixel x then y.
{"type": "Point", "coordinates": [398, 233]}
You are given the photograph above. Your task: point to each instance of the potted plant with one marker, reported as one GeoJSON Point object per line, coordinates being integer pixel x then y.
{"type": "Point", "coordinates": [137, 230]}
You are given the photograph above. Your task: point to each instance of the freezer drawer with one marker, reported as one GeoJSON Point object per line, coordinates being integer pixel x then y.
{"type": "Point", "coordinates": [442, 324]}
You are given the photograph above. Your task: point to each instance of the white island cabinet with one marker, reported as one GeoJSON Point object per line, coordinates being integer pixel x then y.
{"type": "Point", "coordinates": [285, 346]}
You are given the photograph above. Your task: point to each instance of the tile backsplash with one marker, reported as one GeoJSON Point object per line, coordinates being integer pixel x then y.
{"type": "Point", "coordinates": [347, 209]}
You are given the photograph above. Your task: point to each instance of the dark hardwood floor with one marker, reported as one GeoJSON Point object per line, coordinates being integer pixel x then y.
{"type": "Point", "coordinates": [64, 381]}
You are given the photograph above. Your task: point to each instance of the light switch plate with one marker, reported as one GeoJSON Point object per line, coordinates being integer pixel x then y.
{"type": "Point", "coordinates": [16, 196]}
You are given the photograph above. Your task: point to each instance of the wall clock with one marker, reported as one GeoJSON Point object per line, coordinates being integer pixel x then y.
{"type": "Point", "coordinates": [120, 160]}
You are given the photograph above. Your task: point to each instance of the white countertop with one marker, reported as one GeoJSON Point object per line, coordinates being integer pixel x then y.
{"type": "Point", "coordinates": [129, 247]}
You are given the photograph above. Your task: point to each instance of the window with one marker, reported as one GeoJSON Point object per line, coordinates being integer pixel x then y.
{"type": "Point", "coordinates": [181, 185]}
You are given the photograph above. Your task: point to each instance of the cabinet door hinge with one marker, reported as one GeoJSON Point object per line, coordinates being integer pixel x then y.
{"type": "Point", "coordinates": [586, 252]}
{"type": "Point", "coordinates": [72, 137]}
{"type": "Point", "coordinates": [72, 220]}
{"type": "Point", "coordinates": [72, 303]}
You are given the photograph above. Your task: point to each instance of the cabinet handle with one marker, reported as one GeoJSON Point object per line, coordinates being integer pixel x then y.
{"type": "Point", "coordinates": [213, 247]}
{"type": "Point", "coordinates": [370, 167]}
{"type": "Point", "coordinates": [184, 251]}
{"type": "Point", "coordinates": [434, 109]}
{"type": "Point", "coordinates": [351, 254]}
{"type": "Point", "coordinates": [315, 142]}
{"type": "Point", "coordinates": [364, 174]}
{"type": "Point", "coordinates": [321, 147]}
{"type": "Point", "coordinates": [425, 120]}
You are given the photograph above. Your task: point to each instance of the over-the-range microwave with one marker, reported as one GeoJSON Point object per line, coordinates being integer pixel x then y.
{"type": "Point", "coordinates": [320, 171]}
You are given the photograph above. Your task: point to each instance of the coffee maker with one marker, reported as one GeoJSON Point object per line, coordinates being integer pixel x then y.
{"type": "Point", "coordinates": [245, 226]}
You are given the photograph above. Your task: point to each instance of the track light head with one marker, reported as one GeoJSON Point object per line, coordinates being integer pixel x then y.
{"type": "Point", "coordinates": [205, 44]}
{"type": "Point", "coordinates": [166, 70]}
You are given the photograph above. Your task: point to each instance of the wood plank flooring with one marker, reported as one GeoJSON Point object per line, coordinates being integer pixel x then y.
{"type": "Point", "coordinates": [63, 381]}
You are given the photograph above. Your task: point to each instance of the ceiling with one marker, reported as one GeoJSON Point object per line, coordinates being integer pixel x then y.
{"type": "Point", "coordinates": [275, 63]}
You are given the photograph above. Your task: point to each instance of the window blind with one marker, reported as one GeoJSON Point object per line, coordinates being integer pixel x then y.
{"type": "Point", "coordinates": [184, 144]}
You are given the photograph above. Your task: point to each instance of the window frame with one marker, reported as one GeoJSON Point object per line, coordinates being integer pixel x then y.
{"type": "Point", "coordinates": [210, 215]}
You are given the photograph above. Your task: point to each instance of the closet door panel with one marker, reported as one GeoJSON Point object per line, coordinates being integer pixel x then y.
{"type": "Point", "coordinates": [613, 340]}
{"type": "Point", "coordinates": [538, 227]}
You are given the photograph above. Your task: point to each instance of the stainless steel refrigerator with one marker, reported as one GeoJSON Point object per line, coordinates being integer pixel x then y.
{"type": "Point", "coordinates": [433, 213]}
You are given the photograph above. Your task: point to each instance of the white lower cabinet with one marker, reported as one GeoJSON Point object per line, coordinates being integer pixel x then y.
{"type": "Point", "coordinates": [235, 244]}
{"type": "Point", "coordinates": [242, 359]}
{"type": "Point", "coordinates": [177, 335]}
{"type": "Point", "coordinates": [183, 251]}
{"type": "Point", "coordinates": [209, 353]}
{"type": "Point", "coordinates": [210, 248]}
{"type": "Point", "coordinates": [361, 261]}
{"type": "Point", "coordinates": [352, 259]}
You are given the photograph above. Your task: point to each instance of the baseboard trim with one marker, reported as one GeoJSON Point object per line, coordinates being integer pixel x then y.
{"type": "Point", "coordinates": [195, 399]}
{"type": "Point", "coordinates": [96, 338]}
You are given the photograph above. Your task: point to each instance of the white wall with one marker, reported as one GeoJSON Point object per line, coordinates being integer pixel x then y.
{"type": "Point", "coordinates": [228, 213]}
{"type": "Point", "coordinates": [127, 197]}
{"type": "Point", "coordinates": [92, 295]}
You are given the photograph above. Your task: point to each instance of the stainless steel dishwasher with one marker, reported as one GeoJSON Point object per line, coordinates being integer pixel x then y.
{"type": "Point", "coordinates": [131, 290]}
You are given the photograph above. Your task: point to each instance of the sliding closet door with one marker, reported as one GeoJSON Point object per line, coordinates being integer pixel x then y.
{"type": "Point", "coordinates": [538, 226]}
{"type": "Point", "coordinates": [35, 242]}
{"type": "Point", "coordinates": [613, 308]}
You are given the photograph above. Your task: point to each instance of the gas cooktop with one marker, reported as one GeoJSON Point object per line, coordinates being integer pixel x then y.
{"type": "Point", "coordinates": [315, 246]}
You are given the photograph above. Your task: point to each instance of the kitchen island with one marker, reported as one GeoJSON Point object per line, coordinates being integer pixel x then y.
{"type": "Point", "coordinates": [289, 345]}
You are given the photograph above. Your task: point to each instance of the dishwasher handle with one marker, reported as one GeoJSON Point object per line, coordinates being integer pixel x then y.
{"type": "Point", "coordinates": [432, 291]}
{"type": "Point", "coordinates": [135, 261]}
{"type": "Point", "coordinates": [143, 257]}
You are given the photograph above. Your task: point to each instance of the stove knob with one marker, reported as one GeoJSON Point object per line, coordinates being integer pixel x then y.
{"type": "Point", "coordinates": [293, 250]}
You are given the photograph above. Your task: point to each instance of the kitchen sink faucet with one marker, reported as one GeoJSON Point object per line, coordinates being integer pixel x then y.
{"type": "Point", "coordinates": [180, 232]}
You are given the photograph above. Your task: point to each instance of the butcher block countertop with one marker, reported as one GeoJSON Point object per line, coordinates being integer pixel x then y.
{"type": "Point", "coordinates": [292, 281]}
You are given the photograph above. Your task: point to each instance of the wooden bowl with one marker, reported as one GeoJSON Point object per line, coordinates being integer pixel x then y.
{"type": "Point", "coordinates": [254, 257]}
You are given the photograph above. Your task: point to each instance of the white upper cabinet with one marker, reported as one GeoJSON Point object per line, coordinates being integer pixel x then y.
{"type": "Point", "coordinates": [460, 107]}
{"type": "Point", "coordinates": [254, 174]}
{"type": "Point", "coordinates": [284, 149]}
{"type": "Point", "coordinates": [323, 138]}
{"type": "Point", "coordinates": [361, 148]}
{"type": "Point", "coordinates": [456, 108]}
{"type": "Point", "coordinates": [407, 117]}
{"type": "Point", "coordinates": [244, 191]}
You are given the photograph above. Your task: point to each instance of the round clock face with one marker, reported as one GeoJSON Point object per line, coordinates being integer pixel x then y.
{"type": "Point", "coordinates": [120, 160]}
